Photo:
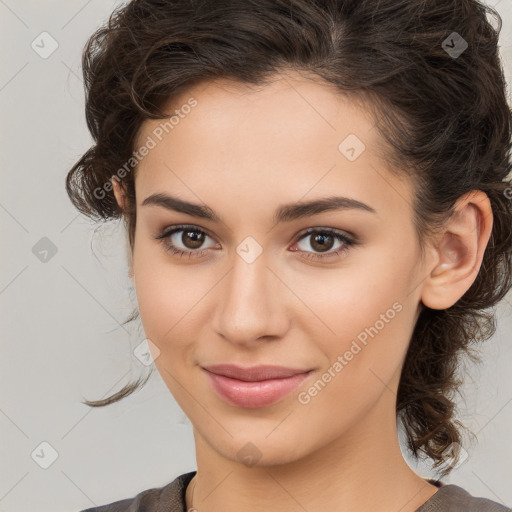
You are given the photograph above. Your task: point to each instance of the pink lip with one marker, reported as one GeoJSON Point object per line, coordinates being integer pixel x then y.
{"type": "Point", "coordinates": [254, 387]}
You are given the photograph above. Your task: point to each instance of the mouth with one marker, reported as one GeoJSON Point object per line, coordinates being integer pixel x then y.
{"type": "Point", "coordinates": [256, 386]}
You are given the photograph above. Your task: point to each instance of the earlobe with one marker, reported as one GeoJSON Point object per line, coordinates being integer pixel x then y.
{"type": "Point", "coordinates": [459, 251]}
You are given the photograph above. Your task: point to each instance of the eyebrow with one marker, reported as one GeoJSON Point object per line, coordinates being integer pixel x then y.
{"type": "Point", "coordinates": [285, 213]}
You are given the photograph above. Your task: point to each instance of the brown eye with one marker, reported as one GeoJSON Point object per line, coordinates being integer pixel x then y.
{"type": "Point", "coordinates": [192, 239]}
{"type": "Point", "coordinates": [322, 241]}
{"type": "Point", "coordinates": [190, 242]}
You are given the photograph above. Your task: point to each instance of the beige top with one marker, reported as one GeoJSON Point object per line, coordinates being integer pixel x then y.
{"type": "Point", "coordinates": [171, 498]}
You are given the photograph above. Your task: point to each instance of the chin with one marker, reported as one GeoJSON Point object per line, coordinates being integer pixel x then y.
{"type": "Point", "coordinates": [260, 451]}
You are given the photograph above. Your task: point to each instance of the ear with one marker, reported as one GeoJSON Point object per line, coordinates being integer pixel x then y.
{"type": "Point", "coordinates": [118, 193]}
{"type": "Point", "coordinates": [459, 251]}
{"type": "Point", "coordinates": [121, 201]}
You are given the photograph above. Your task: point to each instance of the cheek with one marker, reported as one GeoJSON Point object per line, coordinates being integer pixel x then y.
{"type": "Point", "coordinates": [364, 314]}
{"type": "Point", "coordinates": [169, 296]}
{"type": "Point", "coordinates": [362, 359]}
{"type": "Point", "coordinates": [163, 306]}
{"type": "Point", "coordinates": [157, 291]}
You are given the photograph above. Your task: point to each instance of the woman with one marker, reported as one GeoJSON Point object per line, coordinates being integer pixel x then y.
{"type": "Point", "coordinates": [318, 211]}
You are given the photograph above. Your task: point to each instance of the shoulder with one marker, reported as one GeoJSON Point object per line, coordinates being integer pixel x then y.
{"type": "Point", "coordinates": [452, 498]}
{"type": "Point", "coordinates": [170, 497]}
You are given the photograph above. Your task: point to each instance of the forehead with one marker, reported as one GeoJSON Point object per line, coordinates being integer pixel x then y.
{"type": "Point", "coordinates": [290, 137]}
{"type": "Point", "coordinates": [290, 104]}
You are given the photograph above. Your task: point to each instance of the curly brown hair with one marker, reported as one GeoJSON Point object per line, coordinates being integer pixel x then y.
{"type": "Point", "coordinates": [444, 116]}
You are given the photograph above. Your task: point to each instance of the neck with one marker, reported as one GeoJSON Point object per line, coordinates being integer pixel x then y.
{"type": "Point", "coordinates": [361, 470]}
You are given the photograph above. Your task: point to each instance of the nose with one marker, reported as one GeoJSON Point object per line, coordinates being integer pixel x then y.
{"type": "Point", "coordinates": [252, 303]}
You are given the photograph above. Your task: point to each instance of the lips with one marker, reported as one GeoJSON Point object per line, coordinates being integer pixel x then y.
{"type": "Point", "coordinates": [253, 373]}
{"type": "Point", "coordinates": [256, 386]}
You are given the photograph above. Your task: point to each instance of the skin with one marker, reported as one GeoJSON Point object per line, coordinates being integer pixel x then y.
{"type": "Point", "coordinates": [244, 152]}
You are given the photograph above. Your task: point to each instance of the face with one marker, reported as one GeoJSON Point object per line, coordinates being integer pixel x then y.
{"type": "Point", "coordinates": [329, 292]}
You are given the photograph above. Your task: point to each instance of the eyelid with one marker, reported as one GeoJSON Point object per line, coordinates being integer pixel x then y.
{"type": "Point", "coordinates": [166, 233]}
{"type": "Point", "coordinates": [194, 227]}
{"type": "Point", "coordinates": [348, 240]}
{"type": "Point", "coordinates": [347, 234]}
{"type": "Point", "coordinates": [179, 227]}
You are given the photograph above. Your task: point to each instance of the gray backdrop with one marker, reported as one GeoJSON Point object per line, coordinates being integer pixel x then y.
{"type": "Point", "coordinates": [64, 293]}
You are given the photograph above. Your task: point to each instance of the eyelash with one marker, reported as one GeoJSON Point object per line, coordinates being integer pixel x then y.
{"type": "Point", "coordinates": [170, 247]}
